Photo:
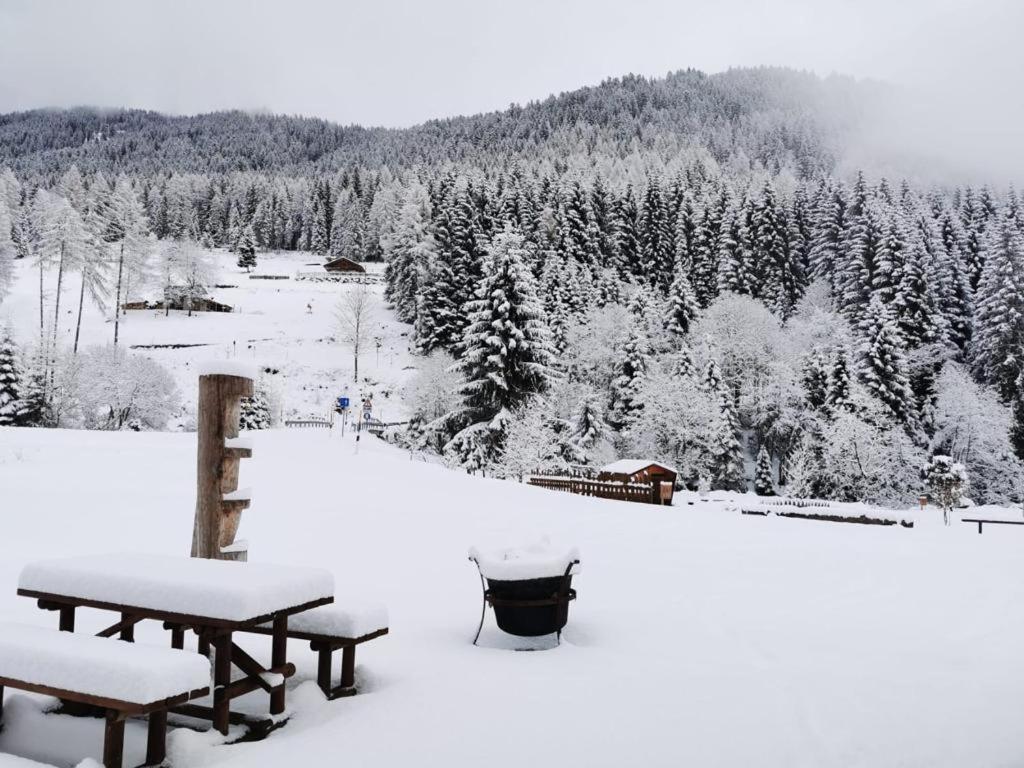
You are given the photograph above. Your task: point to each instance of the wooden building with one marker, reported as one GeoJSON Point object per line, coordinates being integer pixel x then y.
{"type": "Point", "coordinates": [643, 471]}
{"type": "Point", "coordinates": [341, 264]}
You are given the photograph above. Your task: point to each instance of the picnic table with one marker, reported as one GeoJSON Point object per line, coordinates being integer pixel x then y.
{"type": "Point", "coordinates": [213, 598]}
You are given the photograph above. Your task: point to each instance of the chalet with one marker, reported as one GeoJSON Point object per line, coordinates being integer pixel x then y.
{"type": "Point", "coordinates": [341, 264]}
{"type": "Point", "coordinates": [176, 297]}
{"type": "Point", "coordinates": [642, 471]}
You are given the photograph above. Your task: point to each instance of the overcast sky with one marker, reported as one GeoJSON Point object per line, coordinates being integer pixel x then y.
{"type": "Point", "coordinates": [398, 62]}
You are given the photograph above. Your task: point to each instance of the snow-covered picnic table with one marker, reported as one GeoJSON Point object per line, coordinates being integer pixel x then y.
{"type": "Point", "coordinates": [214, 598]}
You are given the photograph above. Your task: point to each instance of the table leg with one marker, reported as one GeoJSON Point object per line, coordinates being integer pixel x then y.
{"type": "Point", "coordinates": [203, 646]}
{"type": "Point", "coordinates": [278, 658]}
{"type": "Point", "coordinates": [128, 633]}
{"type": "Point", "coordinates": [67, 618]}
{"type": "Point", "coordinates": [178, 638]}
{"type": "Point", "coordinates": [113, 740]}
{"type": "Point", "coordinates": [1, 706]}
{"type": "Point", "coordinates": [156, 741]}
{"type": "Point", "coordinates": [221, 679]}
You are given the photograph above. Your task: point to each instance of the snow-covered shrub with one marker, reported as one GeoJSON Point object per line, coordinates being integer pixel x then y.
{"type": "Point", "coordinates": [255, 413]}
{"type": "Point", "coordinates": [115, 388]}
{"type": "Point", "coordinates": [764, 482]}
{"type": "Point", "coordinates": [535, 441]}
{"type": "Point", "coordinates": [972, 427]}
{"type": "Point", "coordinates": [864, 458]}
{"type": "Point", "coordinates": [947, 481]}
{"type": "Point", "coordinates": [429, 395]}
{"type": "Point", "coordinates": [12, 406]}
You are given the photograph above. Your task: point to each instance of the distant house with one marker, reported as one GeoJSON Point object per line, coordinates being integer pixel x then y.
{"type": "Point", "coordinates": [177, 297]}
{"type": "Point", "coordinates": [642, 471]}
{"type": "Point", "coordinates": [341, 264]}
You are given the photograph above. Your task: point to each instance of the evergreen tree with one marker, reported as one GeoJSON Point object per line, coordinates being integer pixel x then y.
{"type": "Point", "coordinates": [586, 430]}
{"type": "Point", "coordinates": [683, 307]}
{"type": "Point", "coordinates": [815, 379]}
{"type": "Point", "coordinates": [506, 354]}
{"type": "Point", "coordinates": [656, 251]}
{"type": "Point", "coordinates": [255, 412]}
{"type": "Point", "coordinates": [735, 268]}
{"type": "Point", "coordinates": [764, 482]}
{"type": "Point", "coordinates": [1017, 422]}
{"type": "Point", "coordinates": [630, 371]}
{"type": "Point", "coordinates": [999, 320]}
{"type": "Point", "coordinates": [838, 396]}
{"type": "Point", "coordinates": [246, 248]}
{"type": "Point", "coordinates": [882, 366]}
{"type": "Point", "coordinates": [626, 238]}
{"type": "Point", "coordinates": [12, 408]}
{"type": "Point", "coordinates": [779, 277]}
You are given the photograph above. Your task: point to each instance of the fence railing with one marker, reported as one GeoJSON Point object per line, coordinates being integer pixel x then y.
{"type": "Point", "coordinates": [643, 493]}
{"type": "Point", "coordinates": [366, 278]}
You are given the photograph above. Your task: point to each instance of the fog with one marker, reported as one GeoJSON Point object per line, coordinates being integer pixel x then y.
{"type": "Point", "coordinates": [958, 66]}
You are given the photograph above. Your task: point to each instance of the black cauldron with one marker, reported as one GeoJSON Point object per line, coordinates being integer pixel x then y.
{"type": "Point", "coordinates": [531, 607]}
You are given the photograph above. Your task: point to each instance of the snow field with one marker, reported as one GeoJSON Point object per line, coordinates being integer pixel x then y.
{"type": "Point", "coordinates": [700, 636]}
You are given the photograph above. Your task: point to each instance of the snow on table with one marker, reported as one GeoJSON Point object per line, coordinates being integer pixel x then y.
{"type": "Point", "coordinates": [345, 619]}
{"type": "Point", "coordinates": [214, 589]}
{"type": "Point", "coordinates": [137, 674]}
{"type": "Point", "coordinates": [534, 561]}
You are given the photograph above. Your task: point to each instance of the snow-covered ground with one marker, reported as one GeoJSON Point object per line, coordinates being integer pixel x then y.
{"type": "Point", "coordinates": [701, 636]}
{"type": "Point", "coordinates": [286, 325]}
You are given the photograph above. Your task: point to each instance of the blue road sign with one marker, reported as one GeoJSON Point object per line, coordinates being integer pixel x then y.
{"type": "Point", "coordinates": [343, 402]}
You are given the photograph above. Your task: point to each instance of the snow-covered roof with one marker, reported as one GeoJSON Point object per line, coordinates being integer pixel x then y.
{"type": "Point", "coordinates": [139, 674]}
{"type": "Point", "coordinates": [216, 589]}
{"type": "Point", "coordinates": [632, 466]}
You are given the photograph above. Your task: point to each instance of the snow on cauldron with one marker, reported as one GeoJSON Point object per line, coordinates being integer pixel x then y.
{"type": "Point", "coordinates": [528, 587]}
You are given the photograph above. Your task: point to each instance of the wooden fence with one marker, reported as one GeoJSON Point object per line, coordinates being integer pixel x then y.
{"type": "Point", "coordinates": [365, 278]}
{"type": "Point", "coordinates": [643, 493]}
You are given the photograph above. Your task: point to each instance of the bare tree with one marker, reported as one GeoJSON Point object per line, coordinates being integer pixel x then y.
{"type": "Point", "coordinates": [354, 313]}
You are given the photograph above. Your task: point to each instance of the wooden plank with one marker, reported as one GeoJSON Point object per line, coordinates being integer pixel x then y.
{"type": "Point", "coordinates": [348, 666]}
{"type": "Point", "coordinates": [101, 702]}
{"type": "Point", "coordinates": [189, 620]}
{"type": "Point", "coordinates": [337, 642]}
{"type": "Point", "coordinates": [221, 680]}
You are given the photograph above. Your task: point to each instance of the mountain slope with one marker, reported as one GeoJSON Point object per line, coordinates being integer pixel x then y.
{"type": "Point", "coordinates": [773, 116]}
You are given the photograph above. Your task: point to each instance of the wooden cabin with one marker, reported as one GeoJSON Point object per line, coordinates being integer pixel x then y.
{"type": "Point", "coordinates": [341, 264]}
{"type": "Point", "coordinates": [644, 471]}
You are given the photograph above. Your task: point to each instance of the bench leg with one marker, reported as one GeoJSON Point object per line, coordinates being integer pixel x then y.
{"type": "Point", "coordinates": [203, 646]}
{"type": "Point", "coordinates": [113, 740]}
{"type": "Point", "coordinates": [323, 669]}
{"type": "Point", "coordinates": [178, 638]}
{"type": "Point", "coordinates": [1, 706]}
{"type": "Point", "coordinates": [348, 666]}
{"type": "Point", "coordinates": [67, 618]}
{"type": "Point", "coordinates": [278, 658]}
{"type": "Point", "coordinates": [156, 741]}
{"type": "Point", "coordinates": [221, 679]}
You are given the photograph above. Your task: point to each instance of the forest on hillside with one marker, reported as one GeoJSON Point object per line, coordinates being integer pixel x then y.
{"type": "Point", "coordinates": [674, 268]}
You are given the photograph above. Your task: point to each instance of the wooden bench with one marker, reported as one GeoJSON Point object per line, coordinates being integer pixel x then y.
{"type": "Point", "coordinates": [984, 521]}
{"type": "Point", "coordinates": [121, 679]}
{"type": "Point", "coordinates": [330, 628]}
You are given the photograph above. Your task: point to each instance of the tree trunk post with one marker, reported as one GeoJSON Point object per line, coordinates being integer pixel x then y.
{"type": "Point", "coordinates": [216, 521]}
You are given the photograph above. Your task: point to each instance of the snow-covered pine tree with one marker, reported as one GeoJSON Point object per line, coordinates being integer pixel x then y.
{"type": "Point", "coordinates": [586, 429]}
{"type": "Point", "coordinates": [630, 370]}
{"type": "Point", "coordinates": [999, 320]}
{"type": "Point", "coordinates": [838, 396]}
{"type": "Point", "coordinates": [764, 482]}
{"type": "Point", "coordinates": [829, 218]}
{"type": "Point", "coordinates": [726, 448]}
{"type": "Point", "coordinates": [656, 237]}
{"type": "Point", "coordinates": [626, 237]}
{"type": "Point", "coordinates": [735, 269]}
{"type": "Point", "coordinates": [815, 379]}
{"type": "Point", "coordinates": [506, 354]}
{"type": "Point", "coordinates": [12, 407]}
{"type": "Point", "coordinates": [882, 364]}
{"type": "Point", "coordinates": [705, 256]}
{"type": "Point", "coordinates": [576, 234]}
{"type": "Point", "coordinates": [1017, 423]}
{"type": "Point", "coordinates": [246, 247]}
{"type": "Point", "coordinates": [683, 366]}
{"type": "Point", "coordinates": [771, 256]}
{"type": "Point", "coordinates": [682, 304]}
{"type": "Point", "coordinates": [255, 412]}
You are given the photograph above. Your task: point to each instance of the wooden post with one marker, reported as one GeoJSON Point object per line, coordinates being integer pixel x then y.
{"type": "Point", "coordinates": [156, 739]}
{"type": "Point", "coordinates": [128, 633]}
{"type": "Point", "coordinates": [67, 618]}
{"type": "Point", "coordinates": [278, 658]}
{"type": "Point", "coordinates": [221, 680]}
{"type": "Point", "coordinates": [219, 408]}
{"type": "Point", "coordinates": [113, 740]}
{"type": "Point", "coordinates": [178, 638]}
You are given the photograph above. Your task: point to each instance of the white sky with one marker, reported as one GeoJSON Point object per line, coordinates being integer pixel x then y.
{"type": "Point", "coordinates": [399, 62]}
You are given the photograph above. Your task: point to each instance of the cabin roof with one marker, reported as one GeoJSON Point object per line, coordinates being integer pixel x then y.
{"type": "Point", "coordinates": [344, 260]}
{"type": "Point", "coordinates": [632, 466]}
